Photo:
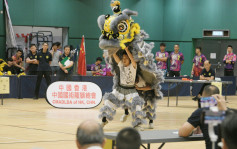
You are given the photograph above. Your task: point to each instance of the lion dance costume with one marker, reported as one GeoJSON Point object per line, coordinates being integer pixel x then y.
{"type": "Point", "coordinates": [118, 32]}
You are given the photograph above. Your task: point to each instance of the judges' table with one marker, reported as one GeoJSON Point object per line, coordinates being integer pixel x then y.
{"type": "Point", "coordinates": [169, 81]}
{"type": "Point", "coordinates": [158, 136]}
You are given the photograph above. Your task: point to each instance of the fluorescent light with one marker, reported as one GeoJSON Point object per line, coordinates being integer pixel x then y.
{"type": "Point", "coordinates": [217, 33]}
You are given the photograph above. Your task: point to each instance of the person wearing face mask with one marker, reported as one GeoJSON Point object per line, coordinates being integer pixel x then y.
{"type": "Point", "coordinates": [229, 61]}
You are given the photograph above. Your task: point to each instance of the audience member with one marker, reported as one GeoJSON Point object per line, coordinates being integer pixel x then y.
{"type": "Point", "coordinates": [107, 69]}
{"type": "Point", "coordinates": [66, 65]}
{"type": "Point", "coordinates": [198, 62]}
{"type": "Point", "coordinates": [207, 74]}
{"type": "Point", "coordinates": [97, 68]}
{"type": "Point", "coordinates": [90, 135]}
{"type": "Point", "coordinates": [44, 59]}
{"type": "Point", "coordinates": [229, 61]}
{"type": "Point", "coordinates": [194, 121]}
{"type": "Point", "coordinates": [55, 57]}
{"type": "Point", "coordinates": [176, 60]}
{"type": "Point", "coordinates": [31, 59]}
{"type": "Point", "coordinates": [18, 62]}
{"type": "Point", "coordinates": [128, 138]}
{"type": "Point", "coordinates": [229, 131]}
{"type": "Point", "coordinates": [9, 68]}
{"type": "Point", "coordinates": [161, 58]}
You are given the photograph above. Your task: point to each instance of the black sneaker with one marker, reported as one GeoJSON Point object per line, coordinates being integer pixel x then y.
{"type": "Point", "coordinates": [196, 98]}
{"type": "Point", "coordinates": [35, 98]}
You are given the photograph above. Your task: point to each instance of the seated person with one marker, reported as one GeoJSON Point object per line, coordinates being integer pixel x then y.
{"type": "Point", "coordinates": [17, 61]}
{"type": "Point", "coordinates": [229, 129]}
{"type": "Point", "coordinates": [97, 68]}
{"type": "Point", "coordinates": [90, 135]}
{"type": "Point", "coordinates": [194, 121]}
{"type": "Point", "coordinates": [128, 138]}
{"type": "Point", "coordinates": [107, 69]}
{"type": "Point", "coordinates": [9, 68]}
{"type": "Point", "coordinates": [207, 74]}
{"type": "Point", "coordinates": [66, 65]}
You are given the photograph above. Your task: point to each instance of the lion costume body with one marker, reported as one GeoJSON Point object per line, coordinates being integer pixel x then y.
{"type": "Point", "coordinates": [118, 32]}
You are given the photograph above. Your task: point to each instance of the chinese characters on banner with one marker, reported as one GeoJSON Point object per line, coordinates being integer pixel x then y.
{"type": "Point", "coordinates": [74, 94]}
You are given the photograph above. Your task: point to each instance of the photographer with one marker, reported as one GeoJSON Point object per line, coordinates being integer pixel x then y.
{"type": "Point", "coordinates": [194, 121]}
{"type": "Point", "coordinates": [229, 129]}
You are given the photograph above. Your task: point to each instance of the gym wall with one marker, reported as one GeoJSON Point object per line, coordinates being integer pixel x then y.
{"type": "Point", "coordinates": [170, 21]}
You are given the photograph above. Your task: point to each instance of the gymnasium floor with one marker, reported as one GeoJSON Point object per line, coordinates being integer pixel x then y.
{"type": "Point", "coordinates": [33, 124]}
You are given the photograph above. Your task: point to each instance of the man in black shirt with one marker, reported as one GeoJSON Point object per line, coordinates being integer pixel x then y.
{"type": "Point", "coordinates": [65, 64]}
{"type": "Point", "coordinates": [207, 74]}
{"type": "Point", "coordinates": [9, 67]}
{"type": "Point", "coordinates": [44, 59]}
{"type": "Point", "coordinates": [32, 60]}
{"type": "Point", "coordinates": [194, 121]}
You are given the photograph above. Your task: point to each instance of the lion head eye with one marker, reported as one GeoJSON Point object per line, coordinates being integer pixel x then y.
{"type": "Point", "coordinates": [122, 26]}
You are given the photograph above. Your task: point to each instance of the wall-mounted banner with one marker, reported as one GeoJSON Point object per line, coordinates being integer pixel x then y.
{"type": "Point", "coordinates": [75, 95]}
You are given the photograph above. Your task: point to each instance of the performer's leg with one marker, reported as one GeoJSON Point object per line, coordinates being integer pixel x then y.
{"type": "Point", "coordinates": [137, 113]}
{"type": "Point", "coordinates": [150, 107]}
{"type": "Point", "coordinates": [124, 117]}
{"type": "Point", "coordinates": [107, 112]}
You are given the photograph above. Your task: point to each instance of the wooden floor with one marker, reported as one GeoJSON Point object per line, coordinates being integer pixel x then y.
{"type": "Point", "coordinates": [33, 124]}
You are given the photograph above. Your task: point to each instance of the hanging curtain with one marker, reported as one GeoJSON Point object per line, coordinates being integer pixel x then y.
{"type": "Point", "coordinates": [10, 36]}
